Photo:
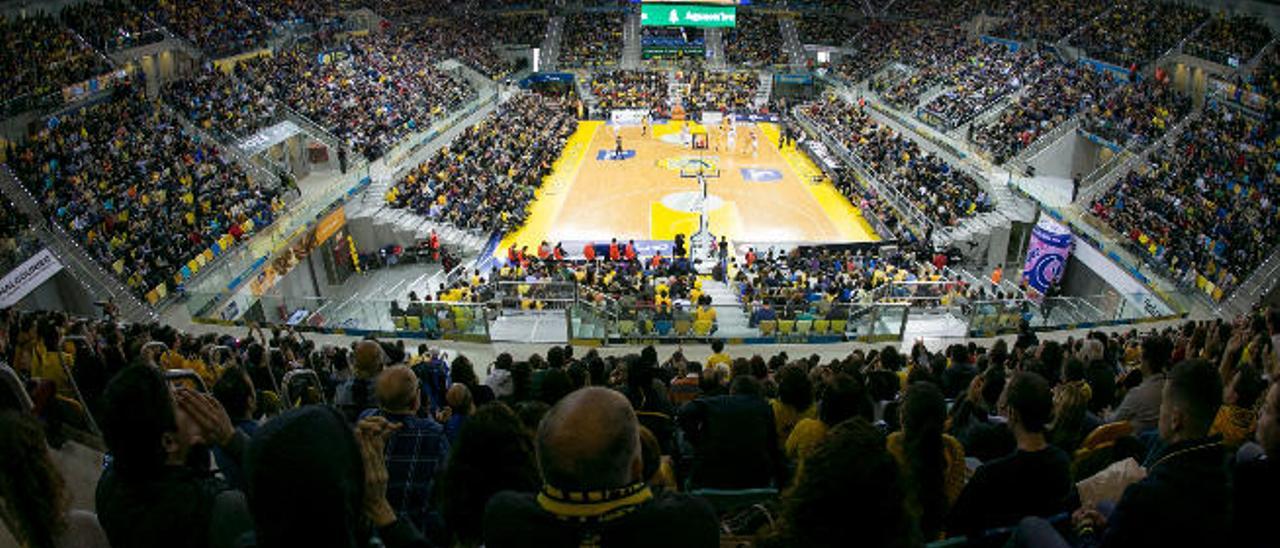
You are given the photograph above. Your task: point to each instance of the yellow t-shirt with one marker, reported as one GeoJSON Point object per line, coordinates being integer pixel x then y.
{"type": "Point", "coordinates": [785, 418]}
{"type": "Point", "coordinates": [721, 361]}
{"type": "Point", "coordinates": [804, 438]}
{"type": "Point", "coordinates": [705, 313]}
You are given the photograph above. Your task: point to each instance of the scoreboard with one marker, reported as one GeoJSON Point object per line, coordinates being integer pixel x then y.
{"type": "Point", "coordinates": [714, 13]}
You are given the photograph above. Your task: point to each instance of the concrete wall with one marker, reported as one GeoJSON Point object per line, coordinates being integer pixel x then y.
{"type": "Point", "coordinates": [1069, 156]}
{"type": "Point", "coordinates": [61, 292]}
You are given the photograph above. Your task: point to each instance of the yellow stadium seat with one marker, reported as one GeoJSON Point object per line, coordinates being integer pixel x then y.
{"type": "Point", "coordinates": [786, 327]}
{"type": "Point", "coordinates": [447, 326]}
{"type": "Point", "coordinates": [414, 323]}
{"type": "Point", "coordinates": [838, 326]}
{"type": "Point", "coordinates": [399, 321]}
{"type": "Point", "coordinates": [767, 327]}
{"type": "Point", "coordinates": [626, 328]}
{"type": "Point", "coordinates": [683, 327]}
{"type": "Point", "coordinates": [820, 327]}
{"type": "Point", "coordinates": [803, 327]}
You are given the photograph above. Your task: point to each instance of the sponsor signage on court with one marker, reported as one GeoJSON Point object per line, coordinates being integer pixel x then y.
{"type": "Point", "coordinates": [602, 155]}
{"type": "Point", "coordinates": [687, 15]}
{"type": "Point", "coordinates": [760, 175]}
{"type": "Point", "coordinates": [627, 116]}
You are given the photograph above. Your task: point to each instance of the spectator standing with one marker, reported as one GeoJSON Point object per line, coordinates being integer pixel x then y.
{"type": "Point", "coordinates": [932, 463]}
{"type": "Point", "coordinates": [356, 394]}
{"type": "Point", "coordinates": [494, 453]}
{"type": "Point", "coordinates": [415, 452]}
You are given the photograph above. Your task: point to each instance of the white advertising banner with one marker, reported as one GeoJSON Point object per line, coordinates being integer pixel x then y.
{"type": "Point", "coordinates": [27, 277]}
{"type": "Point", "coordinates": [627, 116]}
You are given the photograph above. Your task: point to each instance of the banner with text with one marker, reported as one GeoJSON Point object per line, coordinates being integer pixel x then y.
{"type": "Point", "coordinates": [27, 277]}
{"type": "Point", "coordinates": [687, 15]}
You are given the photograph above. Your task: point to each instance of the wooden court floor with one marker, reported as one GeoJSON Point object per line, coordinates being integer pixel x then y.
{"type": "Point", "coordinates": [770, 197]}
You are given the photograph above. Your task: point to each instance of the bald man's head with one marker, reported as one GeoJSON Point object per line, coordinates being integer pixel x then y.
{"type": "Point", "coordinates": [590, 441]}
{"type": "Point", "coordinates": [397, 390]}
{"type": "Point", "coordinates": [369, 359]}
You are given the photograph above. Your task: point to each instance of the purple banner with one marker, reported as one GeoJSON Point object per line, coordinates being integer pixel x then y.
{"type": "Point", "coordinates": [1046, 256]}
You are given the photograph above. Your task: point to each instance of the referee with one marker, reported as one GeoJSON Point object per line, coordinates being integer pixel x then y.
{"type": "Point", "coordinates": [617, 148]}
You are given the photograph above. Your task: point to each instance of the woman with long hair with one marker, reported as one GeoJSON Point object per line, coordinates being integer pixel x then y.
{"type": "Point", "coordinates": [34, 502]}
{"type": "Point", "coordinates": [932, 462]}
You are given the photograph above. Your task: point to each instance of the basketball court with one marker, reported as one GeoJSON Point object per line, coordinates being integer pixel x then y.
{"type": "Point", "coordinates": [774, 196]}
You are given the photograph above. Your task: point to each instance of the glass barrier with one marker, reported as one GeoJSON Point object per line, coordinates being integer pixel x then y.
{"type": "Point", "coordinates": [433, 319]}
{"type": "Point", "coordinates": [213, 282]}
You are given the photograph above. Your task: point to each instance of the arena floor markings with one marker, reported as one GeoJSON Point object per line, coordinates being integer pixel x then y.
{"type": "Point", "coordinates": [770, 197]}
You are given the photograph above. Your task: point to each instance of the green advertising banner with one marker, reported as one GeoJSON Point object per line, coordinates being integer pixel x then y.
{"type": "Point", "coordinates": [683, 15]}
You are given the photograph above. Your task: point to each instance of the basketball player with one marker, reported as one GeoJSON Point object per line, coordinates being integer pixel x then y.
{"type": "Point", "coordinates": [617, 149]}
{"type": "Point", "coordinates": [685, 136]}
{"type": "Point", "coordinates": [731, 137]}
{"type": "Point", "coordinates": [755, 145]}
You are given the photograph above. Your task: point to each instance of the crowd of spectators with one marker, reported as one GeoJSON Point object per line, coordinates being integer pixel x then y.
{"type": "Point", "coordinates": [720, 91]}
{"type": "Point", "coordinates": [218, 27]}
{"type": "Point", "coordinates": [980, 80]}
{"type": "Point", "coordinates": [1223, 38]}
{"type": "Point", "coordinates": [41, 56]}
{"type": "Point", "coordinates": [827, 29]}
{"type": "Point", "coordinates": [17, 242]}
{"type": "Point", "coordinates": [591, 40]}
{"type": "Point", "coordinates": [951, 11]}
{"type": "Point", "coordinates": [1207, 205]}
{"type": "Point", "coordinates": [1140, 111]}
{"type": "Point", "coordinates": [912, 43]}
{"type": "Point", "coordinates": [295, 12]}
{"type": "Point", "coordinates": [221, 104]}
{"type": "Point", "coordinates": [1124, 438]}
{"type": "Point", "coordinates": [471, 39]}
{"type": "Point", "coordinates": [1059, 92]}
{"type": "Point", "coordinates": [632, 89]}
{"type": "Point", "coordinates": [141, 195]}
{"type": "Point", "coordinates": [369, 91]}
{"type": "Point", "coordinates": [486, 177]}
{"type": "Point", "coordinates": [1138, 31]}
{"type": "Point", "coordinates": [1048, 20]}
{"type": "Point", "coordinates": [938, 190]}
{"type": "Point", "coordinates": [111, 24]}
{"type": "Point", "coordinates": [755, 41]}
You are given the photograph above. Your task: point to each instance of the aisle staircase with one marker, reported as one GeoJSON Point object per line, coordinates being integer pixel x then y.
{"type": "Point", "coordinates": [551, 44]}
{"type": "Point", "coordinates": [730, 316]}
{"type": "Point", "coordinates": [632, 51]}
{"type": "Point", "coordinates": [715, 48]}
{"type": "Point", "coordinates": [791, 42]}
{"type": "Point", "coordinates": [765, 90]}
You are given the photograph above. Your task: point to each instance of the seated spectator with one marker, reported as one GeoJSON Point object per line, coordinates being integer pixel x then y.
{"type": "Point", "coordinates": [842, 398]}
{"type": "Point", "coordinates": [34, 497]}
{"type": "Point", "coordinates": [591, 39]}
{"type": "Point", "coordinates": [111, 25]}
{"type": "Point", "coordinates": [218, 27]}
{"type": "Point", "coordinates": [593, 486]}
{"type": "Point", "coordinates": [215, 102]}
{"type": "Point", "coordinates": [1255, 479]}
{"type": "Point", "coordinates": [629, 89]}
{"type": "Point", "coordinates": [157, 491]}
{"type": "Point", "coordinates": [1141, 405]}
{"type": "Point", "coordinates": [851, 489]}
{"type": "Point", "coordinates": [1033, 481]}
{"type": "Point", "coordinates": [794, 402]}
{"type": "Point", "coordinates": [734, 439]}
{"type": "Point", "coordinates": [931, 462]}
{"type": "Point", "coordinates": [1185, 498]}
{"type": "Point", "coordinates": [40, 57]}
{"type": "Point", "coordinates": [416, 450]}
{"type": "Point", "coordinates": [1227, 38]}
{"type": "Point", "coordinates": [1047, 20]}
{"type": "Point", "coordinates": [1140, 111]}
{"type": "Point", "coordinates": [494, 452]}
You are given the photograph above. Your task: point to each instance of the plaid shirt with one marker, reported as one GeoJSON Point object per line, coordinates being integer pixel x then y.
{"type": "Point", "coordinates": [416, 456]}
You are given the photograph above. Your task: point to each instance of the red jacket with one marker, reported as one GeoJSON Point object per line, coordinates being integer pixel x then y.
{"type": "Point", "coordinates": [613, 252]}
{"type": "Point", "coordinates": [589, 252]}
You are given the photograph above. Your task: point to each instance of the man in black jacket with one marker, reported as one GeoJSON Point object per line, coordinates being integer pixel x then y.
{"type": "Point", "coordinates": [735, 443]}
{"type": "Point", "coordinates": [1185, 500]}
{"type": "Point", "coordinates": [594, 491]}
